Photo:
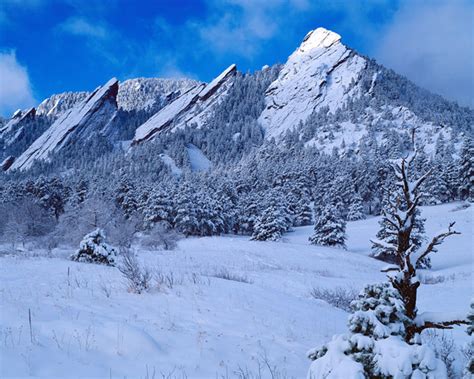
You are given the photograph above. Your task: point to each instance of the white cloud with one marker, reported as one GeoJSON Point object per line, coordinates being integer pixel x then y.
{"type": "Point", "coordinates": [432, 44]}
{"type": "Point", "coordinates": [15, 87]}
{"type": "Point", "coordinates": [240, 26]}
{"type": "Point", "coordinates": [81, 27]}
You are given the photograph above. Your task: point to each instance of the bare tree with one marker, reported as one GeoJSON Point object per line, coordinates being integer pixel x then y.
{"type": "Point", "coordinates": [401, 216]}
{"type": "Point", "coordinates": [78, 220]}
{"type": "Point", "coordinates": [161, 237]}
{"type": "Point", "coordinates": [24, 220]}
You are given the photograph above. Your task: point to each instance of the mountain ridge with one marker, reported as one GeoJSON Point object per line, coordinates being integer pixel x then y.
{"type": "Point", "coordinates": [325, 93]}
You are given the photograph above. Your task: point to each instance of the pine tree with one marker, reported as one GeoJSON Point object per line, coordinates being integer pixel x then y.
{"type": "Point", "coordinates": [186, 220]}
{"type": "Point", "coordinates": [387, 234]}
{"type": "Point", "coordinates": [356, 209]}
{"type": "Point", "coordinates": [303, 215]}
{"type": "Point", "coordinates": [376, 328]}
{"type": "Point", "coordinates": [248, 210]}
{"type": "Point", "coordinates": [469, 371]}
{"type": "Point", "coordinates": [272, 222]}
{"type": "Point", "coordinates": [385, 317]}
{"type": "Point", "coordinates": [93, 249]}
{"type": "Point", "coordinates": [329, 229]}
{"type": "Point", "coordinates": [158, 209]}
{"type": "Point", "coordinates": [466, 170]}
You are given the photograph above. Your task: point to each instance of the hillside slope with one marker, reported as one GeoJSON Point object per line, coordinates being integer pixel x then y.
{"type": "Point", "coordinates": [229, 304]}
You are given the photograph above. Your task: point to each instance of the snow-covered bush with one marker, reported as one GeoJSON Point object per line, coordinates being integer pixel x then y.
{"type": "Point", "coordinates": [330, 229]}
{"type": "Point", "coordinates": [469, 370]}
{"type": "Point", "coordinates": [375, 346]}
{"type": "Point", "coordinates": [93, 249]}
{"type": "Point", "coordinates": [339, 297]}
{"type": "Point", "coordinates": [160, 237]}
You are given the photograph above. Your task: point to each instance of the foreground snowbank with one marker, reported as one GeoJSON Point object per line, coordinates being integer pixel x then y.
{"type": "Point", "coordinates": [224, 304]}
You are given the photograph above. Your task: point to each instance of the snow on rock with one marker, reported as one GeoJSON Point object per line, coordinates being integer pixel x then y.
{"type": "Point", "coordinates": [165, 117]}
{"type": "Point", "coordinates": [199, 162]}
{"type": "Point", "coordinates": [213, 86]}
{"type": "Point", "coordinates": [17, 126]}
{"type": "Point", "coordinates": [319, 73]}
{"type": "Point", "coordinates": [192, 107]}
{"type": "Point", "coordinates": [92, 113]}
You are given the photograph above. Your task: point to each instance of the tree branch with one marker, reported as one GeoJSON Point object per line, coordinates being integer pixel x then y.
{"type": "Point", "coordinates": [437, 240]}
{"type": "Point", "coordinates": [439, 325]}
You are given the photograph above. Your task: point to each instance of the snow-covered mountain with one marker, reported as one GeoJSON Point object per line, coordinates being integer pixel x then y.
{"type": "Point", "coordinates": [325, 95]}
{"type": "Point", "coordinates": [331, 97]}
{"type": "Point", "coordinates": [192, 107]}
{"type": "Point", "coordinates": [95, 112]}
{"type": "Point", "coordinates": [56, 117]}
{"type": "Point", "coordinates": [319, 73]}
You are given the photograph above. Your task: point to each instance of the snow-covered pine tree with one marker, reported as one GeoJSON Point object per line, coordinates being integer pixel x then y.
{"type": "Point", "coordinates": [382, 246]}
{"type": "Point", "coordinates": [356, 209]}
{"type": "Point", "coordinates": [247, 215]}
{"type": "Point", "coordinates": [469, 370]}
{"type": "Point", "coordinates": [466, 170]}
{"type": "Point", "coordinates": [386, 318]}
{"type": "Point", "coordinates": [303, 213]}
{"type": "Point", "coordinates": [93, 249]}
{"type": "Point", "coordinates": [158, 208]}
{"type": "Point", "coordinates": [186, 220]}
{"type": "Point", "coordinates": [273, 221]}
{"type": "Point", "coordinates": [329, 229]}
{"type": "Point", "coordinates": [376, 327]}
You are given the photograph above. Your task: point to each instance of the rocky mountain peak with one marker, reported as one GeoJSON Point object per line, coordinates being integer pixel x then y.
{"type": "Point", "coordinates": [318, 38]}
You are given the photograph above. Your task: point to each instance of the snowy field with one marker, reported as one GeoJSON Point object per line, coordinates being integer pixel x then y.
{"type": "Point", "coordinates": [226, 307]}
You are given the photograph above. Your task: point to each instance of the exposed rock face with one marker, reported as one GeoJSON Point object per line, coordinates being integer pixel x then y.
{"type": "Point", "coordinates": [192, 107]}
{"type": "Point", "coordinates": [319, 73]}
{"type": "Point", "coordinates": [15, 128]}
{"type": "Point", "coordinates": [7, 162]}
{"type": "Point", "coordinates": [92, 114]}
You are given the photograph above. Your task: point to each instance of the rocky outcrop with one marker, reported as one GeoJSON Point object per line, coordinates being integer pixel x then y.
{"type": "Point", "coordinates": [191, 108]}
{"type": "Point", "coordinates": [92, 114]}
{"type": "Point", "coordinates": [319, 73]}
{"type": "Point", "coordinates": [7, 162]}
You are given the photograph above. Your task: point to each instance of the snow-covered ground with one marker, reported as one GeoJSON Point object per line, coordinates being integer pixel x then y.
{"type": "Point", "coordinates": [199, 325]}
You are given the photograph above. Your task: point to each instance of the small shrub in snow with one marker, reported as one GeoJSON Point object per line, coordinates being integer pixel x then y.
{"type": "Point", "coordinates": [445, 349]}
{"type": "Point", "coordinates": [169, 280]}
{"type": "Point", "coordinates": [160, 237]}
{"type": "Point", "coordinates": [223, 273]}
{"type": "Point", "coordinates": [93, 249]}
{"type": "Point", "coordinates": [338, 297]}
{"type": "Point", "coordinates": [138, 277]}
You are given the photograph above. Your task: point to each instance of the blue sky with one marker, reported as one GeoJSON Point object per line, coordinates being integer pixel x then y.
{"type": "Point", "coordinates": [51, 46]}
